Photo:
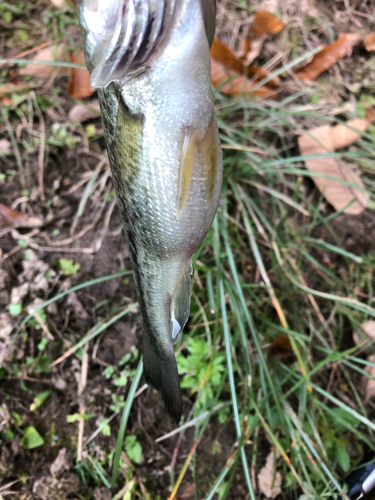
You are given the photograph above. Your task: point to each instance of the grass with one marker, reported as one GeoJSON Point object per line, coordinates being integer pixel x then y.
{"type": "Point", "coordinates": [287, 401]}
{"type": "Point", "coordinates": [263, 272]}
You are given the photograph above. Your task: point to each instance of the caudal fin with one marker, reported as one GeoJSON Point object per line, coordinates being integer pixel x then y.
{"type": "Point", "coordinates": [160, 370]}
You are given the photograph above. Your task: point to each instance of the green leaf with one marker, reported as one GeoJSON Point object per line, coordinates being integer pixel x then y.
{"type": "Point", "coordinates": [123, 379]}
{"type": "Point", "coordinates": [125, 359]}
{"type": "Point", "coordinates": [109, 371]}
{"type": "Point", "coordinates": [40, 399]}
{"type": "Point", "coordinates": [104, 427]}
{"type": "Point", "coordinates": [8, 435]}
{"type": "Point", "coordinates": [22, 243]}
{"type": "Point", "coordinates": [17, 418]}
{"type": "Point", "coordinates": [68, 268]}
{"type": "Point", "coordinates": [7, 16]}
{"type": "Point", "coordinates": [223, 414]}
{"type": "Point", "coordinates": [342, 457]}
{"type": "Point", "coordinates": [133, 449]}
{"type": "Point", "coordinates": [76, 417]}
{"type": "Point", "coordinates": [90, 130]}
{"type": "Point", "coordinates": [43, 364]}
{"type": "Point", "coordinates": [31, 438]}
{"type": "Point", "coordinates": [42, 344]}
{"type": "Point", "coordinates": [118, 403]}
{"type": "Point", "coordinates": [15, 309]}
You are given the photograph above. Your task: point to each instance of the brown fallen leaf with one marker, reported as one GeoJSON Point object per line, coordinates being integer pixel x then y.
{"type": "Point", "coordinates": [368, 329]}
{"type": "Point", "coordinates": [328, 56]}
{"type": "Point", "coordinates": [367, 383]}
{"type": "Point", "coordinates": [18, 219]}
{"type": "Point", "coordinates": [226, 56]}
{"type": "Point", "coordinates": [225, 65]}
{"type": "Point", "coordinates": [79, 80]}
{"type": "Point", "coordinates": [343, 136]}
{"type": "Point", "coordinates": [369, 42]}
{"type": "Point", "coordinates": [280, 346]}
{"type": "Point", "coordinates": [236, 84]}
{"type": "Point", "coordinates": [186, 491]}
{"type": "Point", "coordinates": [81, 113]}
{"type": "Point", "coordinates": [51, 53]}
{"type": "Point", "coordinates": [321, 140]}
{"type": "Point", "coordinates": [269, 482]}
{"type": "Point", "coordinates": [265, 23]}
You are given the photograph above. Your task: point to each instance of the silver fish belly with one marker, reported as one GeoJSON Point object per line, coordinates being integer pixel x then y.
{"type": "Point", "coordinates": [165, 156]}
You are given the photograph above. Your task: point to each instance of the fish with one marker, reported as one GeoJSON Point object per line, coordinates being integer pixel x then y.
{"type": "Point", "coordinates": [149, 60]}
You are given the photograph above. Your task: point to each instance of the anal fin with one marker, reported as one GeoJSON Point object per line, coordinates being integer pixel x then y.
{"type": "Point", "coordinates": [181, 304]}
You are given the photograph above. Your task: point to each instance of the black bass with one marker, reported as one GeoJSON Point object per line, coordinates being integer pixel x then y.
{"type": "Point", "coordinates": [150, 61]}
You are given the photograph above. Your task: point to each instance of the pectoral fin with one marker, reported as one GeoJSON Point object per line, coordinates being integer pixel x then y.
{"type": "Point", "coordinates": [198, 155]}
{"type": "Point", "coordinates": [208, 151]}
{"type": "Point", "coordinates": [188, 158]}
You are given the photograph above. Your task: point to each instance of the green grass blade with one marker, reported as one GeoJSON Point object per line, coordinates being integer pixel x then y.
{"type": "Point", "coordinates": [67, 292]}
{"type": "Point", "coordinates": [228, 343]}
{"type": "Point", "coordinates": [124, 421]}
{"type": "Point", "coordinates": [95, 331]}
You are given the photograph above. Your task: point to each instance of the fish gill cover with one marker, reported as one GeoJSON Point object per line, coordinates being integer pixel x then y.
{"type": "Point", "coordinates": [123, 35]}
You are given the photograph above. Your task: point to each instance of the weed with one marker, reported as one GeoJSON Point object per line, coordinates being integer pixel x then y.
{"type": "Point", "coordinates": [68, 268]}
{"type": "Point", "coordinates": [133, 449]}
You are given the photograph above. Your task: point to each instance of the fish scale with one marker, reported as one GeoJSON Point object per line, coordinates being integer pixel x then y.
{"type": "Point", "coordinates": [164, 152]}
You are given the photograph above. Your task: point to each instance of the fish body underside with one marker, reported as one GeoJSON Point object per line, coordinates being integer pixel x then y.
{"type": "Point", "coordinates": [165, 156]}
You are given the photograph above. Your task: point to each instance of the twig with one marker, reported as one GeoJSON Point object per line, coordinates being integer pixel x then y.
{"type": "Point", "coordinates": [82, 409]}
{"type": "Point", "coordinates": [101, 426]}
{"type": "Point", "coordinates": [31, 379]}
{"type": "Point", "coordinates": [30, 243]}
{"type": "Point", "coordinates": [184, 469]}
{"type": "Point", "coordinates": [42, 145]}
{"type": "Point", "coordinates": [85, 230]}
{"type": "Point", "coordinates": [43, 326]}
{"type": "Point", "coordinates": [98, 243]}
{"type": "Point", "coordinates": [17, 153]}
{"type": "Point", "coordinates": [86, 194]}
{"type": "Point", "coordinates": [193, 422]}
{"type": "Point", "coordinates": [27, 52]}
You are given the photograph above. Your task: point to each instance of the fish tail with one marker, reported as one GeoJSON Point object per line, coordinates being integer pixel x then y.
{"type": "Point", "coordinates": [160, 370]}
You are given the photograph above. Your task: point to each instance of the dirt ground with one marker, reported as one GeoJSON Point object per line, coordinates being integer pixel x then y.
{"type": "Point", "coordinates": [32, 272]}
